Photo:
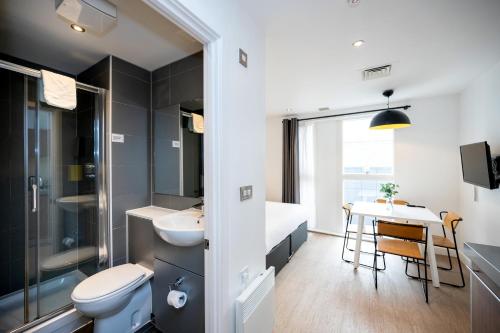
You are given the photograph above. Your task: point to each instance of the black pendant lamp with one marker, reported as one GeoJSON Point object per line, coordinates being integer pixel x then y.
{"type": "Point", "coordinates": [391, 118]}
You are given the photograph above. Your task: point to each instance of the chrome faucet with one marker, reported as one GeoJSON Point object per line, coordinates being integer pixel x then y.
{"type": "Point", "coordinates": [200, 206]}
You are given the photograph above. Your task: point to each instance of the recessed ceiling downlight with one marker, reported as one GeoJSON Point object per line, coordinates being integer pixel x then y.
{"type": "Point", "coordinates": [78, 28]}
{"type": "Point", "coordinates": [358, 43]}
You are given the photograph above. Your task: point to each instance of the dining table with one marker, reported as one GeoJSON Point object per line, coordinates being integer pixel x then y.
{"type": "Point", "coordinates": [399, 214]}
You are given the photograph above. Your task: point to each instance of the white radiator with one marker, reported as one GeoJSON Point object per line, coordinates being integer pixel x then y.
{"type": "Point", "coordinates": [255, 305]}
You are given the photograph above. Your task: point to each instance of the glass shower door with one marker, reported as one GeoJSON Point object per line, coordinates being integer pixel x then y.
{"type": "Point", "coordinates": [67, 201]}
{"type": "Point", "coordinates": [53, 210]}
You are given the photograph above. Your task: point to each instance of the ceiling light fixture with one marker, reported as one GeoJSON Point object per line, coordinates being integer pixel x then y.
{"type": "Point", "coordinates": [358, 43]}
{"type": "Point", "coordinates": [391, 118]}
{"type": "Point", "coordinates": [78, 28]}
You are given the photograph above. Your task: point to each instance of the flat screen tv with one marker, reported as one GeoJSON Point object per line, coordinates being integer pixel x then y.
{"type": "Point", "coordinates": [477, 166]}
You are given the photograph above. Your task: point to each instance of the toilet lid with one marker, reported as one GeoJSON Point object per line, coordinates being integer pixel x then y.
{"type": "Point", "coordinates": [107, 282]}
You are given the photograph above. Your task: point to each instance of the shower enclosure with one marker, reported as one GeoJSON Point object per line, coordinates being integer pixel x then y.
{"type": "Point", "coordinates": [53, 209]}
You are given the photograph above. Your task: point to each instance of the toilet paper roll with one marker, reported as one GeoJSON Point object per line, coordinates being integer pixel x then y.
{"type": "Point", "coordinates": [176, 298]}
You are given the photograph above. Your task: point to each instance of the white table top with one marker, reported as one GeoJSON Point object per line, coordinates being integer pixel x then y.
{"type": "Point", "coordinates": [401, 212]}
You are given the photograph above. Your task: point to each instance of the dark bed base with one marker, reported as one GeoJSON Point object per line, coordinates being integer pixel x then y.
{"type": "Point", "coordinates": [281, 253]}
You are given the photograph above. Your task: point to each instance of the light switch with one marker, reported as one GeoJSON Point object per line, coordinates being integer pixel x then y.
{"type": "Point", "coordinates": [246, 192]}
{"type": "Point", "coordinates": [176, 144]}
{"type": "Point", "coordinates": [243, 58]}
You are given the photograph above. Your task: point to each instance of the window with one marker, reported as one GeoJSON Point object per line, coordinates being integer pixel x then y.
{"type": "Point", "coordinates": [367, 160]}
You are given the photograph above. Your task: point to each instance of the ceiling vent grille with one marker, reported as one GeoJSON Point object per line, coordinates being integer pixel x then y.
{"type": "Point", "coordinates": [376, 72]}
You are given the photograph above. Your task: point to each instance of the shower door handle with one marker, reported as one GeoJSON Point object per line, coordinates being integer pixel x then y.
{"type": "Point", "coordinates": [34, 187]}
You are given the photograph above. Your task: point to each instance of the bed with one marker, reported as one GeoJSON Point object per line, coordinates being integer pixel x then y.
{"type": "Point", "coordinates": [286, 231]}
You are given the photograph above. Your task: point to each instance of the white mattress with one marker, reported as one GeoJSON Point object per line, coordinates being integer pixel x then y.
{"type": "Point", "coordinates": [281, 220]}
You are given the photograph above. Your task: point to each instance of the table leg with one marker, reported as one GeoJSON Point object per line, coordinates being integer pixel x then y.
{"type": "Point", "coordinates": [432, 259]}
{"type": "Point", "coordinates": [359, 235]}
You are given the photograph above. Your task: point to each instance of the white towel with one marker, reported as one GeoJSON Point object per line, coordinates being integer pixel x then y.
{"type": "Point", "coordinates": [58, 90]}
{"type": "Point", "coordinates": [198, 126]}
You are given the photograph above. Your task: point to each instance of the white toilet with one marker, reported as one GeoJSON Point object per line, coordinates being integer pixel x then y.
{"type": "Point", "coordinates": [119, 298]}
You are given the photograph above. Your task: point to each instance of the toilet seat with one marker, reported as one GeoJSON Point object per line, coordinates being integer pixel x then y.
{"type": "Point", "coordinates": [109, 282]}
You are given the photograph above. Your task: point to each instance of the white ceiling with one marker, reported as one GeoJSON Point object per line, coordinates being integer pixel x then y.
{"type": "Point", "coordinates": [33, 31]}
{"type": "Point", "coordinates": [435, 47]}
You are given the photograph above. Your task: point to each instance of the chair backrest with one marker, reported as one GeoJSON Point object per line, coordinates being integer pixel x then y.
{"type": "Point", "coordinates": [403, 231]}
{"type": "Point", "coordinates": [451, 220]}
{"type": "Point", "coordinates": [396, 201]}
{"type": "Point", "coordinates": [347, 210]}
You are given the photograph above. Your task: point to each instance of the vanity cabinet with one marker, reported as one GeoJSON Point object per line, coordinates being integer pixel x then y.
{"type": "Point", "coordinates": [191, 317]}
{"type": "Point", "coordinates": [190, 258]}
{"type": "Point", "coordinates": [169, 263]}
{"type": "Point", "coordinates": [140, 241]}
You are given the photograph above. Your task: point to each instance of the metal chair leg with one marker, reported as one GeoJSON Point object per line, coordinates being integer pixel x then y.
{"type": "Point", "coordinates": [449, 262]}
{"type": "Point", "coordinates": [442, 282]}
{"type": "Point", "coordinates": [344, 245]}
{"type": "Point", "coordinates": [461, 272]}
{"type": "Point", "coordinates": [426, 282]}
{"type": "Point", "coordinates": [418, 269]}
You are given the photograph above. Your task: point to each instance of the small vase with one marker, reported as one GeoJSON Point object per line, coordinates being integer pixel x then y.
{"type": "Point", "coordinates": [389, 203]}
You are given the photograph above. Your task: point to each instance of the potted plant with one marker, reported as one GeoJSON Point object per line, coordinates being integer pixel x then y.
{"type": "Point", "coordinates": [389, 190]}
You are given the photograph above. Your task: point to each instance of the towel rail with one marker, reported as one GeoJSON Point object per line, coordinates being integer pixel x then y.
{"type": "Point", "coordinates": [35, 73]}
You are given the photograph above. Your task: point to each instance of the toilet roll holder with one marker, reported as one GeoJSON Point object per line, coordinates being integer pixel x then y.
{"type": "Point", "coordinates": [175, 285]}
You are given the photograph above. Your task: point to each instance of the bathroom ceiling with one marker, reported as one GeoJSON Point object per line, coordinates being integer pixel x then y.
{"type": "Point", "coordinates": [435, 48]}
{"type": "Point", "coordinates": [33, 31]}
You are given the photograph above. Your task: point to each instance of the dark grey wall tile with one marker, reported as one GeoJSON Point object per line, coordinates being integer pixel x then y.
{"type": "Point", "coordinates": [97, 75]}
{"type": "Point", "coordinates": [124, 202]}
{"type": "Point", "coordinates": [130, 90]}
{"type": "Point", "coordinates": [186, 86]}
{"type": "Point", "coordinates": [185, 64]}
{"type": "Point", "coordinates": [130, 119]}
{"type": "Point", "coordinates": [161, 73]}
{"type": "Point", "coordinates": [129, 178]}
{"type": "Point", "coordinates": [134, 151]}
{"type": "Point", "coordinates": [119, 261]}
{"type": "Point", "coordinates": [119, 243]}
{"type": "Point", "coordinates": [161, 93]}
{"type": "Point", "coordinates": [130, 69]}
{"type": "Point", "coordinates": [173, 201]}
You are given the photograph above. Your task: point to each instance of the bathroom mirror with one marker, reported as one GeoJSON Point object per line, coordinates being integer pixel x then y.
{"type": "Point", "coordinates": [178, 149]}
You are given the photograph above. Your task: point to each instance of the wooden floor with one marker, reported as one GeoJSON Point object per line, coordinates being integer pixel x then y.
{"type": "Point", "coordinates": [318, 292]}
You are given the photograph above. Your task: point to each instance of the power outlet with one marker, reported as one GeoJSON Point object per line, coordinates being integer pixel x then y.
{"type": "Point", "coordinates": [244, 277]}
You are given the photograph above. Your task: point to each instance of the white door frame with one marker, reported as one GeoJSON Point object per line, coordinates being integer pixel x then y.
{"type": "Point", "coordinates": [216, 256]}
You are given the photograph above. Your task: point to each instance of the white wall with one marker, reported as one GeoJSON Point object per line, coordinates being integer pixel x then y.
{"type": "Point", "coordinates": [427, 160]}
{"type": "Point", "coordinates": [243, 135]}
{"type": "Point", "coordinates": [427, 157]}
{"type": "Point", "coordinates": [480, 121]}
{"type": "Point", "coordinates": [274, 146]}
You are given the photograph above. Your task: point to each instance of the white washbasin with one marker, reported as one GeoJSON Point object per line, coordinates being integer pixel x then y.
{"type": "Point", "coordinates": [184, 228]}
{"type": "Point", "coordinates": [77, 202]}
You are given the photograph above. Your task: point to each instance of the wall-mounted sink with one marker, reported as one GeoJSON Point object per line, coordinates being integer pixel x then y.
{"type": "Point", "coordinates": [75, 203]}
{"type": "Point", "coordinates": [184, 228]}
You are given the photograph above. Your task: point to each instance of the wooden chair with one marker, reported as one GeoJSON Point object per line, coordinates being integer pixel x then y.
{"type": "Point", "coordinates": [402, 240]}
{"type": "Point", "coordinates": [353, 229]}
{"type": "Point", "coordinates": [450, 221]}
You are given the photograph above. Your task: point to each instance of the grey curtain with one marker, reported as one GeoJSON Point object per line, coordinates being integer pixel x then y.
{"type": "Point", "coordinates": [291, 193]}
